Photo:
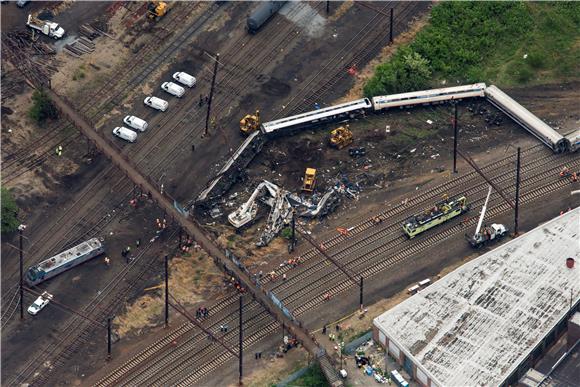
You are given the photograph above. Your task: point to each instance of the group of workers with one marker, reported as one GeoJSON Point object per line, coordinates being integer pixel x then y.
{"type": "Point", "coordinates": [567, 173]}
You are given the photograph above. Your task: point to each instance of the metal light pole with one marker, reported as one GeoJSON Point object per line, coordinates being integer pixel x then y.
{"type": "Point", "coordinates": [517, 207]}
{"type": "Point", "coordinates": [109, 338]}
{"type": "Point", "coordinates": [215, 68]}
{"type": "Point", "coordinates": [241, 343]}
{"type": "Point", "coordinates": [391, 27]}
{"type": "Point", "coordinates": [21, 229]}
{"type": "Point", "coordinates": [455, 138]}
{"type": "Point", "coordinates": [166, 291]}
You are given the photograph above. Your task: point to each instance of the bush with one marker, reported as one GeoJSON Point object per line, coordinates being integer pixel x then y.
{"type": "Point", "coordinates": [9, 213]}
{"type": "Point", "coordinates": [286, 233]}
{"type": "Point", "coordinates": [406, 71]}
{"type": "Point", "coordinates": [42, 108]}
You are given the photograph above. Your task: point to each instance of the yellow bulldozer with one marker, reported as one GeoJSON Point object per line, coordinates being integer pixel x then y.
{"type": "Point", "coordinates": [341, 137]}
{"type": "Point", "coordinates": [156, 9]}
{"type": "Point", "coordinates": [250, 123]}
{"type": "Point", "coordinates": [309, 180]}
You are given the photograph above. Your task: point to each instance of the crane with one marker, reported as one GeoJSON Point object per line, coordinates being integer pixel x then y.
{"type": "Point", "coordinates": [487, 234]}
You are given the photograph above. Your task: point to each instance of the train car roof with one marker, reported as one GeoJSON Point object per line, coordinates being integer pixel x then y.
{"type": "Point", "coordinates": [495, 93]}
{"type": "Point", "coordinates": [70, 254]}
{"type": "Point", "coordinates": [430, 92]}
{"type": "Point", "coordinates": [315, 115]}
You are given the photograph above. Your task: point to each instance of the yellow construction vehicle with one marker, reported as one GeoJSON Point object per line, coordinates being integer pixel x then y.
{"type": "Point", "coordinates": [309, 180]}
{"type": "Point", "coordinates": [341, 137]}
{"type": "Point", "coordinates": [250, 123]}
{"type": "Point", "coordinates": [156, 9]}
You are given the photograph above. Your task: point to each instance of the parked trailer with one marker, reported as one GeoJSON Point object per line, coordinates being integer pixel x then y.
{"type": "Point", "coordinates": [262, 14]}
{"type": "Point", "coordinates": [288, 125]}
{"type": "Point", "coordinates": [527, 120]}
{"type": "Point", "coordinates": [429, 96]}
{"type": "Point", "coordinates": [64, 261]}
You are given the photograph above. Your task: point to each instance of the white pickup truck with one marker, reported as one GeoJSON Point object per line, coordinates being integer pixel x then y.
{"type": "Point", "coordinates": [46, 27]}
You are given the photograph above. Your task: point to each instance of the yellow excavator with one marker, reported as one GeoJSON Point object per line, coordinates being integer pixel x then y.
{"type": "Point", "coordinates": [250, 123]}
{"type": "Point", "coordinates": [341, 137]}
{"type": "Point", "coordinates": [156, 9]}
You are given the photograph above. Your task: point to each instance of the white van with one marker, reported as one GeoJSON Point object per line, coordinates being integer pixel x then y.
{"type": "Point", "coordinates": [136, 123]}
{"type": "Point", "coordinates": [173, 89]}
{"type": "Point", "coordinates": [156, 103]}
{"type": "Point", "coordinates": [184, 78]}
{"type": "Point", "coordinates": [125, 134]}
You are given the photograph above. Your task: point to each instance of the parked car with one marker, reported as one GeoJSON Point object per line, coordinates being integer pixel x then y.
{"type": "Point", "coordinates": [40, 303]}
{"type": "Point", "coordinates": [156, 103]}
{"type": "Point", "coordinates": [185, 79]}
{"type": "Point", "coordinates": [125, 134]}
{"type": "Point", "coordinates": [136, 123]}
{"type": "Point", "coordinates": [173, 89]}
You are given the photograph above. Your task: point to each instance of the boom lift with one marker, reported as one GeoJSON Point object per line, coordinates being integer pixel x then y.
{"type": "Point", "coordinates": [250, 123]}
{"type": "Point", "coordinates": [482, 236]}
{"type": "Point", "coordinates": [341, 137]}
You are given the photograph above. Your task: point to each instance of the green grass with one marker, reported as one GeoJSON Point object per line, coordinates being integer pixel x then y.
{"type": "Point", "coordinates": [312, 378]}
{"type": "Point", "coordinates": [504, 43]}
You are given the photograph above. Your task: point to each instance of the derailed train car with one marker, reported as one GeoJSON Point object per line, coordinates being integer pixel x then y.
{"type": "Point", "coordinates": [61, 262]}
{"type": "Point", "coordinates": [527, 120]}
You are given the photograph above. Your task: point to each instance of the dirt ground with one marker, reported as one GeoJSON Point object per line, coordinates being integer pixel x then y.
{"type": "Point", "coordinates": [404, 152]}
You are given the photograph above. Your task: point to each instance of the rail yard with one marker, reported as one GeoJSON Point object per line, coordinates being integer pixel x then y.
{"type": "Point", "coordinates": [211, 192]}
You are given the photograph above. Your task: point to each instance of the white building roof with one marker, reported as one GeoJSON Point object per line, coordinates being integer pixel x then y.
{"type": "Point", "coordinates": [476, 325]}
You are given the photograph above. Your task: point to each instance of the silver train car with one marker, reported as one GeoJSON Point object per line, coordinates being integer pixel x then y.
{"type": "Point", "coordinates": [574, 140]}
{"type": "Point", "coordinates": [62, 262]}
{"type": "Point", "coordinates": [527, 120]}
{"type": "Point", "coordinates": [288, 125]}
{"type": "Point", "coordinates": [424, 97]}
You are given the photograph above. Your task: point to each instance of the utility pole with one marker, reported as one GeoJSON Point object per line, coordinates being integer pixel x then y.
{"type": "Point", "coordinates": [517, 207]}
{"type": "Point", "coordinates": [327, 7]}
{"type": "Point", "coordinates": [241, 343]}
{"type": "Point", "coordinates": [215, 68]}
{"type": "Point", "coordinates": [293, 239]}
{"type": "Point", "coordinates": [166, 291]}
{"type": "Point", "coordinates": [21, 229]}
{"type": "Point", "coordinates": [391, 27]}
{"type": "Point", "coordinates": [109, 338]}
{"type": "Point", "coordinates": [455, 138]}
{"type": "Point", "coordinates": [361, 292]}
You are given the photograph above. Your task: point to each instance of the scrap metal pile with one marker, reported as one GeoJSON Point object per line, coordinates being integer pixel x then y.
{"type": "Point", "coordinates": [284, 205]}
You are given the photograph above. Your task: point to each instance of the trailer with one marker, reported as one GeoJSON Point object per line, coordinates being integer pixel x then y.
{"type": "Point", "coordinates": [61, 262]}
{"type": "Point", "coordinates": [48, 28]}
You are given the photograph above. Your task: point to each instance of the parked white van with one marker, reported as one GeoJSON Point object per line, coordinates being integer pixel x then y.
{"type": "Point", "coordinates": [156, 103]}
{"type": "Point", "coordinates": [173, 89]}
{"type": "Point", "coordinates": [125, 134]}
{"type": "Point", "coordinates": [184, 78]}
{"type": "Point", "coordinates": [136, 123]}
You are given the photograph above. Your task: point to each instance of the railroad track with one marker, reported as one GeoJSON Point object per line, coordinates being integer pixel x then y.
{"type": "Point", "coordinates": [367, 265]}
{"type": "Point", "coordinates": [112, 90]}
{"type": "Point", "coordinates": [104, 305]}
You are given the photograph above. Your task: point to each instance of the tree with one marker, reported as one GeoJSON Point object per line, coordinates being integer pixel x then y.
{"type": "Point", "coordinates": [9, 214]}
{"type": "Point", "coordinates": [406, 71]}
{"type": "Point", "coordinates": [42, 108]}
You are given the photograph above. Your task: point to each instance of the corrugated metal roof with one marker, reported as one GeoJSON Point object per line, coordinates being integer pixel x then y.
{"type": "Point", "coordinates": [478, 323]}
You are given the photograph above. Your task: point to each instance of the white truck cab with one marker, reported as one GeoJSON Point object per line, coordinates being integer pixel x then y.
{"type": "Point", "coordinates": [156, 103]}
{"type": "Point", "coordinates": [46, 27]}
{"type": "Point", "coordinates": [136, 123]}
{"type": "Point", "coordinates": [173, 89]}
{"type": "Point", "coordinates": [40, 303]}
{"type": "Point", "coordinates": [184, 79]}
{"type": "Point", "coordinates": [125, 134]}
